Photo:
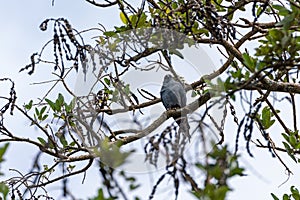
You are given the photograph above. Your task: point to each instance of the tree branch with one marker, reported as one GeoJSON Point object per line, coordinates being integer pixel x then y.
{"type": "Point", "coordinates": [103, 5]}
{"type": "Point", "coordinates": [164, 116]}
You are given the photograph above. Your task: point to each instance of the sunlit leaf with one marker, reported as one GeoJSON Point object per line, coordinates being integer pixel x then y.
{"type": "Point", "coordinates": [123, 18]}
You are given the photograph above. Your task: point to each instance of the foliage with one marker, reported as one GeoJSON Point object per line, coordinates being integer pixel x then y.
{"type": "Point", "coordinates": [4, 189]}
{"type": "Point", "coordinates": [219, 170]}
{"type": "Point", "coordinates": [79, 130]}
{"type": "Point", "coordinates": [294, 195]}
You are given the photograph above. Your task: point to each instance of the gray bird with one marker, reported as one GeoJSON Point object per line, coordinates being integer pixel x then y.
{"type": "Point", "coordinates": [173, 96]}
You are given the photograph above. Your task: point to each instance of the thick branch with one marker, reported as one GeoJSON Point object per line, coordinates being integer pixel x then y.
{"type": "Point", "coordinates": [164, 116]}
{"type": "Point", "coordinates": [103, 5]}
{"type": "Point", "coordinates": [274, 86]}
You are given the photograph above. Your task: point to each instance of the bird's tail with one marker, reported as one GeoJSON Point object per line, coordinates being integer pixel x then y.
{"type": "Point", "coordinates": [184, 127]}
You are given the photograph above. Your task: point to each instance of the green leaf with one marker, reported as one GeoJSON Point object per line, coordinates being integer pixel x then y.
{"type": "Point", "coordinates": [71, 167]}
{"type": "Point", "coordinates": [289, 151]}
{"type": "Point", "coordinates": [295, 193]}
{"type": "Point", "coordinates": [249, 62]}
{"type": "Point", "coordinates": [174, 5]}
{"type": "Point", "coordinates": [131, 179]}
{"type": "Point", "coordinates": [4, 189]}
{"type": "Point", "coordinates": [51, 104]}
{"type": "Point", "coordinates": [286, 197]}
{"type": "Point", "coordinates": [37, 112]}
{"type": "Point", "coordinates": [176, 52]}
{"type": "Point", "coordinates": [287, 147]}
{"type": "Point", "coordinates": [123, 18]}
{"type": "Point", "coordinates": [127, 89]}
{"type": "Point", "coordinates": [109, 33]}
{"type": "Point", "coordinates": [50, 144]}
{"type": "Point", "coordinates": [216, 172]}
{"type": "Point", "coordinates": [260, 65]}
{"type": "Point", "coordinates": [266, 117]}
{"type": "Point", "coordinates": [42, 141]}
{"type": "Point", "coordinates": [29, 105]}
{"type": "Point", "coordinates": [133, 186]}
{"type": "Point", "coordinates": [60, 99]}
{"type": "Point", "coordinates": [247, 75]}
{"type": "Point", "coordinates": [42, 112]}
{"type": "Point", "coordinates": [44, 117]}
{"type": "Point", "coordinates": [72, 104]}
{"type": "Point", "coordinates": [258, 11]}
{"type": "Point", "coordinates": [201, 31]}
{"type": "Point", "coordinates": [194, 93]}
{"type": "Point", "coordinates": [142, 20]}
{"type": "Point", "coordinates": [274, 197]}
{"type": "Point", "coordinates": [67, 108]}
{"type": "Point", "coordinates": [2, 151]}
{"type": "Point", "coordinates": [292, 140]}
{"type": "Point", "coordinates": [72, 144]}
{"type": "Point", "coordinates": [220, 193]}
{"type": "Point", "coordinates": [283, 11]}
{"type": "Point", "coordinates": [237, 171]}
{"type": "Point", "coordinates": [237, 74]}
{"type": "Point", "coordinates": [59, 102]}
{"type": "Point", "coordinates": [63, 141]}
{"type": "Point", "coordinates": [286, 137]}
{"type": "Point", "coordinates": [230, 13]}
{"type": "Point", "coordinates": [107, 81]}
{"type": "Point", "coordinates": [297, 146]}
{"type": "Point", "coordinates": [46, 168]}
{"type": "Point", "coordinates": [270, 123]}
{"type": "Point", "coordinates": [100, 195]}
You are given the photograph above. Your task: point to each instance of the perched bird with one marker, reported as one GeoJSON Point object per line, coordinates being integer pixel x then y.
{"type": "Point", "coordinates": [173, 96]}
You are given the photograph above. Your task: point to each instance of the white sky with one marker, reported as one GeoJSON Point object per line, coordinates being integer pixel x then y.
{"type": "Point", "coordinates": [20, 37]}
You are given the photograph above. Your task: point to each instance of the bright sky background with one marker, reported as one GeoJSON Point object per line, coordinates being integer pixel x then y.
{"type": "Point", "coordinates": [21, 36]}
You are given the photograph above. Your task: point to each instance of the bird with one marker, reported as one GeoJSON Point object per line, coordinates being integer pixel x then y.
{"type": "Point", "coordinates": [173, 96]}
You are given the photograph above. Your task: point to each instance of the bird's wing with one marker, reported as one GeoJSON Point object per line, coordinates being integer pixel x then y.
{"type": "Point", "coordinates": [169, 98]}
{"type": "Point", "coordinates": [180, 93]}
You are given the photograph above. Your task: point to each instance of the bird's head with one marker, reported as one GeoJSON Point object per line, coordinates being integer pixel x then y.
{"type": "Point", "coordinates": [168, 78]}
